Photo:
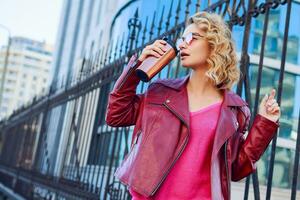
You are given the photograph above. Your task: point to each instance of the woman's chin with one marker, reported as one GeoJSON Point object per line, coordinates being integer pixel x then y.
{"type": "Point", "coordinates": [189, 64]}
{"type": "Point", "coordinates": [185, 64]}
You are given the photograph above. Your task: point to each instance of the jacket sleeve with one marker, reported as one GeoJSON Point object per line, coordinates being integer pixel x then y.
{"type": "Point", "coordinates": [251, 149]}
{"type": "Point", "coordinates": [123, 102]}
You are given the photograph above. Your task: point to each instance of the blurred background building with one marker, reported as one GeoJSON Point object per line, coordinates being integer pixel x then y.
{"type": "Point", "coordinates": [24, 72]}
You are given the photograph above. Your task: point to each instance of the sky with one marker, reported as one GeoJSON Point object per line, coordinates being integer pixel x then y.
{"type": "Point", "coordinates": [35, 19]}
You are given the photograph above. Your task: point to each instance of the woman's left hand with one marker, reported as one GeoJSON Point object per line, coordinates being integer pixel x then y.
{"type": "Point", "coordinates": [269, 107]}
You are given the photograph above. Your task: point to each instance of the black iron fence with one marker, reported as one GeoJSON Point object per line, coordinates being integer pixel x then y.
{"type": "Point", "coordinates": [89, 150]}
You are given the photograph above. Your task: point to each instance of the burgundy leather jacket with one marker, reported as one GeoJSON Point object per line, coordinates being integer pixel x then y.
{"type": "Point", "coordinates": [162, 128]}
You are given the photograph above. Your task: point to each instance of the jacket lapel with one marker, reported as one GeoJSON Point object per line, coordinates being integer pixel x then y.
{"type": "Point", "coordinates": [177, 101]}
{"type": "Point", "coordinates": [226, 126]}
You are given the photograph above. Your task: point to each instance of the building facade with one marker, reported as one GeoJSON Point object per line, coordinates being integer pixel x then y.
{"type": "Point", "coordinates": [26, 75]}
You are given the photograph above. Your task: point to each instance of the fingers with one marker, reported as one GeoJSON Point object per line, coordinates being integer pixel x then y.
{"type": "Point", "coordinates": [272, 94]}
{"type": "Point", "coordinates": [153, 53]}
{"type": "Point", "coordinates": [274, 110]}
{"type": "Point", "coordinates": [273, 107]}
{"type": "Point", "coordinates": [269, 99]}
{"type": "Point", "coordinates": [264, 100]}
{"type": "Point", "coordinates": [269, 106]}
{"type": "Point", "coordinates": [156, 49]}
{"type": "Point", "coordinates": [271, 102]}
{"type": "Point", "coordinates": [160, 42]}
{"type": "Point", "coordinates": [162, 46]}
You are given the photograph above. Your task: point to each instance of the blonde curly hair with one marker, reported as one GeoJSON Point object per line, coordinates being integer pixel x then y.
{"type": "Point", "coordinates": [223, 70]}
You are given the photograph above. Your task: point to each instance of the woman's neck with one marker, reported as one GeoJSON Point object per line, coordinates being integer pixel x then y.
{"type": "Point", "coordinates": [200, 85]}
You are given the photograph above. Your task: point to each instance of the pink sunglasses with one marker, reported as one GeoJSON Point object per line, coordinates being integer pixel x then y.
{"type": "Point", "coordinates": [188, 39]}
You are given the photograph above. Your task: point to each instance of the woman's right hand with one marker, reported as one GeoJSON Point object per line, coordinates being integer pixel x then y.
{"type": "Point", "coordinates": [157, 49]}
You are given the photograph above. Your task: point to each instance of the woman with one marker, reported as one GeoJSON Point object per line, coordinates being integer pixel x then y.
{"type": "Point", "coordinates": [188, 140]}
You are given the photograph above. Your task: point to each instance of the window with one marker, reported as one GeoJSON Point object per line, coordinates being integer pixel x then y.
{"type": "Point", "coordinates": [32, 58]}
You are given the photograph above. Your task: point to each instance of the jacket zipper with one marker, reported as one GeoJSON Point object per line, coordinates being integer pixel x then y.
{"type": "Point", "coordinates": [180, 152]}
{"type": "Point", "coordinates": [133, 144]}
{"type": "Point", "coordinates": [226, 166]}
{"type": "Point", "coordinates": [137, 136]}
{"type": "Point", "coordinates": [135, 139]}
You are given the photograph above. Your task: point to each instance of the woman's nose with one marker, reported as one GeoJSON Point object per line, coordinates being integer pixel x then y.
{"type": "Point", "coordinates": [182, 45]}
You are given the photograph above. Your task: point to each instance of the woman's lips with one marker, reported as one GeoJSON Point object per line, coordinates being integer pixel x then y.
{"type": "Point", "coordinates": [183, 56]}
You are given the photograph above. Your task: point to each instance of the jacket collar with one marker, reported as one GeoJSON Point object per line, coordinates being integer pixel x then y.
{"type": "Point", "coordinates": [178, 104]}
{"type": "Point", "coordinates": [178, 84]}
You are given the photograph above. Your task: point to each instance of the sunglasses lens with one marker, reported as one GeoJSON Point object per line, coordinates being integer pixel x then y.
{"type": "Point", "coordinates": [179, 42]}
{"type": "Point", "coordinates": [189, 38]}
